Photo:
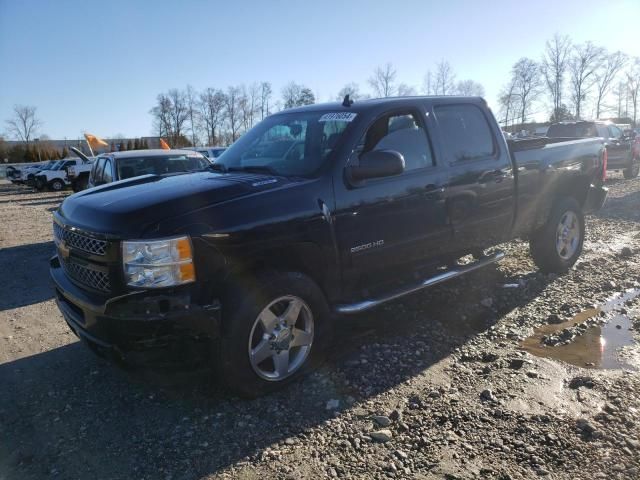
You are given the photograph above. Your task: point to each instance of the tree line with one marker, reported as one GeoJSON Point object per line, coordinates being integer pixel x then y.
{"type": "Point", "coordinates": [571, 81]}
{"type": "Point", "coordinates": [216, 116]}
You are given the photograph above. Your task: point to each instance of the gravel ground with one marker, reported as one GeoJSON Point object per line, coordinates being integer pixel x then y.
{"type": "Point", "coordinates": [436, 386]}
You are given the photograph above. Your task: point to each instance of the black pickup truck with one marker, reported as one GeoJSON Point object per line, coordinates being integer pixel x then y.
{"type": "Point", "coordinates": [316, 213]}
{"type": "Point", "coordinates": [622, 148]}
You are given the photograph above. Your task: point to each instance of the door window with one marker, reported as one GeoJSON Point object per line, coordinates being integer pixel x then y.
{"type": "Point", "coordinates": [107, 174]}
{"type": "Point", "coordinates": [614, 132]}
{"type": "Point", "coordinates": [466, 134]}
{"type": "Point", "coordinates": [97, 170]}
{"type": "Point", "coordinates": [403, 133]}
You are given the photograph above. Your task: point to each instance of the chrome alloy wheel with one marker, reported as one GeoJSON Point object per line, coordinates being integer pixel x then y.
{"type": "Point", "coordinates": [568, 235]}
{"type": "Point", "coordinates": [281, 338]}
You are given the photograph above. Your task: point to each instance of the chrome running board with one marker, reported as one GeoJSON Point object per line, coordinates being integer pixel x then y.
{"type": "Point", "coordinates": [453, 272]}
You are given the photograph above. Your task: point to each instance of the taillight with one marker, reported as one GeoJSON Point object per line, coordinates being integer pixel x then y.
{"type": "Point", "coordinates": [605, 157]}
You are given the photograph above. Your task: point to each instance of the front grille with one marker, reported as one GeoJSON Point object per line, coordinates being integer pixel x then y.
{"type": "Point", "coordinates": [79, 241]}
{"type": "Point", "coordinates": [96, 279]}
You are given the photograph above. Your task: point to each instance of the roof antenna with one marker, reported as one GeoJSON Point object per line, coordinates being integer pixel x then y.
{"type": "Point", "coordinates": [347, 102]}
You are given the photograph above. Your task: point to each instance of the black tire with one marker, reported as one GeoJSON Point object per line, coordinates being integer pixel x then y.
{"type": "Point", "coordinates": [632, 170]}
{"type": "Point", "coordinates": [39, 185]}
{"type": "Point", "coordinates": [543, 243]}
{"type": "Point", "coordinates": [240, 311]}
{"type": "Point", "coordinates": [57, 185]}
{"type": "Point", "coordinates": [79, 184]}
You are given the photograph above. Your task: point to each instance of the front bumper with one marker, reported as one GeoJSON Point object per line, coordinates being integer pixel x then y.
{"type": "Point", "coordinates": [596, 196]}
{"type": "Point", "coordinates": [143, 327]}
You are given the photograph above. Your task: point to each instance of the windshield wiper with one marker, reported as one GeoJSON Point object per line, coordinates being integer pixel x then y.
{"type": "Point", "coordinates": [254, 168]}
{"type": "Point", "coordinates": [217, 167]}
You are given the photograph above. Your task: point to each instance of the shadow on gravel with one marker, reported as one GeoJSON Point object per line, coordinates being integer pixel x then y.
{"type": "Point", "coordinates": [67, 413]}
{"type": "Point", "coordinates": [24, 274]}
{"type": "Point", "coordinates": [618, 208]}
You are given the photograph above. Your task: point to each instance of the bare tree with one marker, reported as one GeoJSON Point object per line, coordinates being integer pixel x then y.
{"type": "Point", "coordinates": [405, 90]}
{"type": "Point", "coordinates": [583, 64]}
{"type": "Point", "coordinates": [612, 64]}
{"type": "Point", "coordinates": [352, 89]}
{"type": "Point", "coordinates": [265, 95]}
{"type": "Point", "coordinates": [212, 105]}
{"type": "Point", "coordinates": [191, 98]}
{"type": "Point", "coordinates": [247, 103]}
{"type": "Point", "coordinates": [508, 99]}
{"type": "Point", "coordinates": [469, 88]}
{"type": "Point", "coordinates": [444, 78]}
{"type": "Point", "coordinates": [24, 124]}
{"type": "Point", "coordinates": [428, 84]}
{"type": "Point", "coordinates": [178, 115]}
{"type": "Point", "coordinates": [621, 92]}
{"type": "Point", "coordinates": [290, 94]}
{"type": "Point", "coordinates": [382, 81]}
{"type": "Point", "coordinates": [161, 116]}
{"type": "Point", "coordinates": [633, 84]}
{"type": "Point", "coordinates": [527, 81]}
{"type": "Point", "coordinates": [554, 66]}
{"type": "Point", "coordinates": [233, 112]}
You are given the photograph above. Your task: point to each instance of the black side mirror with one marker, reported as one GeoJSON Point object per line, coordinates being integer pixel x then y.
{"type": "Point", "coordinates": [377, 164]}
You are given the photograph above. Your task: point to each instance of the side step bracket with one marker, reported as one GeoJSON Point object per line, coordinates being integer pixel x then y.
{"type": "Point", "coordinates": [452, 272]}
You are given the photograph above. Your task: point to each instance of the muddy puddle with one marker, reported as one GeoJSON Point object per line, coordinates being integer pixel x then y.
{"type": "Point", "coordinates": [597, 346]}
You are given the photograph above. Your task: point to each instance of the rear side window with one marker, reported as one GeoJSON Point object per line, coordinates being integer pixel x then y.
{"type": "Point", "coordinates": [466, 134]}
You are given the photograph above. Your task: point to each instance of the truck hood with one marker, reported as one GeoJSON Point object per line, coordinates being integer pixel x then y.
{"type": "Point", "coordinates": [129, 207]}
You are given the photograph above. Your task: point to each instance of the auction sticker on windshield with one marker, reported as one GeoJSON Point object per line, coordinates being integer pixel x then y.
{"type": "Point", "coordinates": [338, 117]}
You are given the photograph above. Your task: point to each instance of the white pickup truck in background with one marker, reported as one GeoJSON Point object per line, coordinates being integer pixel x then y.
{"type": "Point", "coordinates": [55, 177]}
{"type": "Point", "coordinates": [78, 175]}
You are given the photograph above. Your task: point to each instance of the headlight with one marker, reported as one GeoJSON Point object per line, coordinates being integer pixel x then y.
{"type": "Point", "coordinates": [158, 263]}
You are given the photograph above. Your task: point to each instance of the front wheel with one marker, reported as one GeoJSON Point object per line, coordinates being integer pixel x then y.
{"type": "Point", "coordinates": [556, 246]}
{"type": "Point", "coordinates": [632, 170]}
{"type": "Point", "coordinates": [273, 333]}
{"type": "Point", "coordinates": [57, 185]}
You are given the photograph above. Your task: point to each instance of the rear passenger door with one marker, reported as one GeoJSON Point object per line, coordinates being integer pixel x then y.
{"type": "Point", "coordinates": [96, 172]}
{"type": "Point", "coordinates": [480, 193]}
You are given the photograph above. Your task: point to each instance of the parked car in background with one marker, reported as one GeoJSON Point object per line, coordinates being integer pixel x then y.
{"type": "Point", "coordinates": [27, 173]}
{"type": "Point", "coordinates": [210, 152]}
{"type": "Point", "coordinates": [114, 166]}
{"type": "Point", "coordinates": [621, 152]}
{"type": "Point", "coordinates": [247, 264]}
{"type": "Point", "coordinates": [55, 177]}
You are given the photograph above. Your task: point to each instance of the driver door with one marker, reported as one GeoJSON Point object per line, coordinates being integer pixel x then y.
{"type": "Point", "coordinates": [388, 225]}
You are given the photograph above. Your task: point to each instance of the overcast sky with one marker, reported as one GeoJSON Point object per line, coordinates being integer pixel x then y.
{"type": "Point", "coordinates": [97, 66]}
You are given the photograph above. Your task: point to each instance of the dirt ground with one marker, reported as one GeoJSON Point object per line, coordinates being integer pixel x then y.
{"type": "Point", "coordinates": [441, 385]}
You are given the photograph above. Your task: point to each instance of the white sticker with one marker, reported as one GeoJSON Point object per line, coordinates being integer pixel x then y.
{"type": "Point", "coordinates": [338, 117]}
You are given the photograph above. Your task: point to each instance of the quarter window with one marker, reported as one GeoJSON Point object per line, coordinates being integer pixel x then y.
{"type": "Point", "coordinates": [465, 132]}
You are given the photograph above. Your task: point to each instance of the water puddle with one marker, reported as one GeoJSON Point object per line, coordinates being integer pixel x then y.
{"type": "Point", "coordinates": [584, 342]}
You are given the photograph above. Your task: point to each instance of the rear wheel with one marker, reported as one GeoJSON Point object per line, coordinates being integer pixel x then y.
{"type": "Point", "coordinates": [57, 185]}
{"type": "Point", "coordinates": [632, 170]}
{"type": "Point", "coordinates": [557, 245]}
{"type": "Point", "coordinates": [273, 333]}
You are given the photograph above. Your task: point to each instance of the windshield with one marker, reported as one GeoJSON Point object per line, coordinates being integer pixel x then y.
{"type": "Point", "coordinates": [52, 165]}
{"type": "Point", "coordinates": [159, 165]}
{"type": "Point", "coordinates": [295, 144]}
{"type": "Point", "coordinates": [572, 130]}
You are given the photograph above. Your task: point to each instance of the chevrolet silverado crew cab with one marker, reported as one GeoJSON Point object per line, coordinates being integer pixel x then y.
{"type": "Point", "coordinates": [622, 151]}
{"type": "Point", "coordinates": [316, 213]}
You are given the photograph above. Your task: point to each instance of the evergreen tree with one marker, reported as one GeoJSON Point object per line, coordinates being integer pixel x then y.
{"type": "Point", "coordinates": [145, 144]}
{"type": "Point", "coordinates": [123, 146]}
{"type": "Point", "coordinates": [129, 145]}
{"type": "Point", "coordinates": [113, 147]}
{"type": "Point", "coordinates": [136, 144]}
{"type": "Point", "coordinates": [65, 152]}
